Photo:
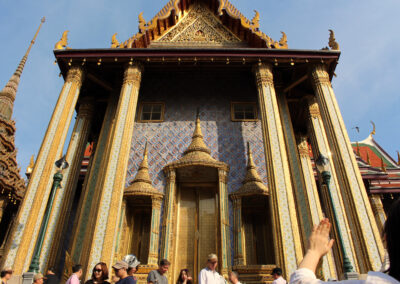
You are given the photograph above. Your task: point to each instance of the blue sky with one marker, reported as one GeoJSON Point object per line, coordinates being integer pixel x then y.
{"type": "Point", "coordinates": [367, 75]}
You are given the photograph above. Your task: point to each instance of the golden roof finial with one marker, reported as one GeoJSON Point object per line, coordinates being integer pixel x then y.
{"type": "Point", "coordinates": [8, 94]}
{"type": "Point", "coordinates": [398, 158]}
{"type": "Point", "coordinates": [197, 139]}
{"type": "Point", "coordinates": [143, 171]}
{"type": "Point", "coordinates": [368, 160]}
{"type": "Point", "coordinates": [256, 20]}
{"type": "Point", "coordinates": [332, 41]}
{"type": "Point", "coordinates": [114, 41]}
{"type": "Point", "coordinates": [383, 166]}
{"type": "Point", "coordinates": [373, 128]}
{"type": "Point", "coordinates": [29, 169]}
{"type": "Point", "coordinates": [62, 43]}
{"type": "Point", "coordinates": [251, 174]}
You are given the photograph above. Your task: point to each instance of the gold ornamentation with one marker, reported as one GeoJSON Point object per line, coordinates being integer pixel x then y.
{"type": "Point", "coordinates": [264, 76]}
{"type": "Point", "coordinates": [62, 43]}
{"type": "Point", "coordinates": [114, 41]}
{"type": "Point", "coordinates": [29, 168]}
{"type": "Point", "coordinates": [303, 147]}
{"type": "Point", "coordinates": [332, 41]}
{"type": "Point", "coordinates": [320, 75]}
{"type": "Point", "coordinates": [383, 165]}
{"type": "Point", "coordinates": [75, 75]}
{"type": "Point", "coordinates": [133, 74]}
{"type": "Point", "coordinates": [368, 159]}
{"type": "Point", "coordinates": [373, 128]}
{"type": "Point", "coordinates": [314, 109]}
{"type": "Point", "coordinates": [398, 158]}
{"type": "Point", "coordinates": [252, 184]}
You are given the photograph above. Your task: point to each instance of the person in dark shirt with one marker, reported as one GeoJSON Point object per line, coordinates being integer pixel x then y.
{"type": "Point", "coordinates": [51, 277]}
{"type": "Point", "coordinates": [121, 271]}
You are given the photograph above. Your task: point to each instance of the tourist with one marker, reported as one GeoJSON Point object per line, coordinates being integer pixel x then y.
{"type": "Point", "coordinates": [157, 276]}
{"type": "Point", "coordinates": [76, 275]}
{"type": "Point", "coordinates": [209, 275]}
{"type": "Point", "coordinates": [277, 275]}
{"type": "Point", "coordinates": [99, 274]}
{"type": "Point", "coordinates": [184, 277]}
{"type": "Point", "coordinates": [133, 264]}
{"type": "Point", "coordinates": [51, 277]}
{"type": "Point", "coordinates": [6, 275]}
{"type": "Point", "coordinates": [320, 244]}
{"type": "Point", "coordinates": [121, 271]}
{"type": "Point", "coordinates": [234, 277]}
{"type": "Point", "coordinates": [38, 278]}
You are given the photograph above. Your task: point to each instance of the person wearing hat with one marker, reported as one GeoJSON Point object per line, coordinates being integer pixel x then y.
{"type": "Point", "coordinates": [121, 271]}
{"type": "Point", "coordinates": [133, 264]}
{"type": "Point", "coordinates": [6, 274]}
{"type": "Point", "coordinates": [38, 278]}
{"type": "Point", "coordinates": [209, 275]}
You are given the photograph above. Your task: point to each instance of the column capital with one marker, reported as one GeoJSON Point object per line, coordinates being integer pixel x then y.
{"type": "Point", "coordinates": [171, 175]}
{"type": "Point", "coordinates": [320, 75]}
{"type": "Point", "coordinates": [222, 176]}
{"type": "Point", "coordinates": [264, 75]}
{"type": "Point", "coordinates": [75, 75]}
{"type": "Point", "coordinates": [156, 201]}
{"type": "Point", "coordinates": [133, 73]}
{"type": "Point", "coordinates": [313, 108]}
{"type": "Point", "coordinates": [86, 108]}
{"type": "Point", "coordinates": [237, 202]}
{"type": "Point", "coordinates": [302, 145]}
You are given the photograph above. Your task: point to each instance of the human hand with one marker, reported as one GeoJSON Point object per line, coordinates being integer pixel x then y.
{"type": "Point", "coordinates": [319, 242]}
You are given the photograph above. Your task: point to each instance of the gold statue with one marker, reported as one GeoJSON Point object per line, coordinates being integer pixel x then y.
{"type": "Point", "coordinates": [373, 128]}
{"type": "Point", "coordinates": [332, 41]}
{"type": "Point", "coordinates": [114, 41]}
{"type": "Point", "coordinates": [62, 43]}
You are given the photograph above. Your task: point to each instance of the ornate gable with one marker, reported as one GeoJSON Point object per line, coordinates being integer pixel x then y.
{"type": "Point", "coordinates": [199, 27]}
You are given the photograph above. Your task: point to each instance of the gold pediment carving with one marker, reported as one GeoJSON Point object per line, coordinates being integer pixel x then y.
{"type": "Point", "coordinates": [199, 27]}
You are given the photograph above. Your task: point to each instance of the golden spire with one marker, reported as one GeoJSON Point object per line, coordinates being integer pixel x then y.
{"type": "Point", "coordinates": [368, 160]}
{"type": "Point", "coordinates": [373, 128]}
{"type": "Point", "coordinates": [383, 166]}
{"type": "Point", "coordinates": [143, 171]}
{"type": "Point", "coordinates": [197, 144]}
{"type": "Point", "coordinates": [7, 95]}
{"type": "Point", "coordinates": [252, 183]}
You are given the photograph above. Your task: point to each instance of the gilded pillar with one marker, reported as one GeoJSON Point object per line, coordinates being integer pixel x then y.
{"type": "Point", "coordinates": [91, 191]}
{"type": "Point", "coordinates": [169, 209]}
{"type": "Point", "coordinates": [225, 258]}
{"type": "Point", "coordinates": [31, 211]}
{"type": "Point", "coordinates": [63, 200]}
{"type": "Point", "coordinates": [104, 240]}
{"type": "Point", "coordinates": [328, 265]}
{"type": "Point", "coordinates": [379, 212]}
{"type": "Point", "coordinates": [366, 233]}
{"type": "Point", "coordinates": [239, 257]}
{"type": "Point", "coordinates": [285, 226]}
{"type": "Point", "coordinates": [155, 230]}
{"type": "Point", "coordinates": [319, 144]}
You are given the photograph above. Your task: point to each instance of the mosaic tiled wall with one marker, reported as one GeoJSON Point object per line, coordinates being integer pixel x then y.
{"type": "Point", "coordinates": [183, 93]}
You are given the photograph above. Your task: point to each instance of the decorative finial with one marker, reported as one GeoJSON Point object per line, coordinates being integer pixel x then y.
{"type": "Point", "coordinates": [143, 175]}
{"type": "Point", "coordinates": [142, 23]}
{"type": "Point", "coordinates": [256, 20]}
{"type": "Point", "coordinates": [332, 41]}
{"type": "Point", "coordinates": [62, 43]}
{"type": "Point", "coordinates": [373, 128]}
{"type": "Point", "coordinates": [283, 41]}
{"type": "Point", "coordinates": [114, 41]}
{"type": "Point", "coordinates": [398, 158]}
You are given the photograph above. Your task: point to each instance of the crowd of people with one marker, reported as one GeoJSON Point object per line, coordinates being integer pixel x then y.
{"type": "Point", "coordinates": [319, 245]}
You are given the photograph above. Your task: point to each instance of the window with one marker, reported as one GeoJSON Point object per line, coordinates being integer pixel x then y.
{"type": "Point", "coordinates": [151, 112]}
{"type": "Point", "coordinates": [244, 111]}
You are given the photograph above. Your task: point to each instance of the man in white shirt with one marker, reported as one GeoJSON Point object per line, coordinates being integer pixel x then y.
{"type": "Point", "coordinates": [234, 277]}
{"type": "Point", "coordinates": [209, 275]}
{"type": "Point", "coordinates": [277, 275]}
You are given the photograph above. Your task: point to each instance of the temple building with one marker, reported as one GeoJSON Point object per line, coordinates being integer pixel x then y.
{"type": "Point", "coordinates": [202, 132]}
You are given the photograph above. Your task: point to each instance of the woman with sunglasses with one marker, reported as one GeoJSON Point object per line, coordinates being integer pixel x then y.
{"type": "Point", "coordinates": [99, 274]}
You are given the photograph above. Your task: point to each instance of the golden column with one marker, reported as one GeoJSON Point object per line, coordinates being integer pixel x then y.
{"type": "Point", "coordinates": [238, 232]}
{"type": "Point", "coordinates": [379, 212]}
{"type": "Point", "coordinates": [63, 200]}
{"type": "Point", "coordinates": [104, 240]}
{"type": "Point", "coordinates": [328, 264]}
{"type": "Point", "coordinates": [169, 209]}
{"type": "Point", "coordinates": [31, 211]}
{"type": "Point", "coordinates": [286, 230]}
{"type": "Point", "coordinates": [91, 191]}
{"type": "Point", "coordinates": [224, 222]}
{"type": "Point", "coordinates": [155, 230]}
{"type": "Point", "coordinates": [355, 197]}
{"type": "Point", "coordinates": [319, 144]}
